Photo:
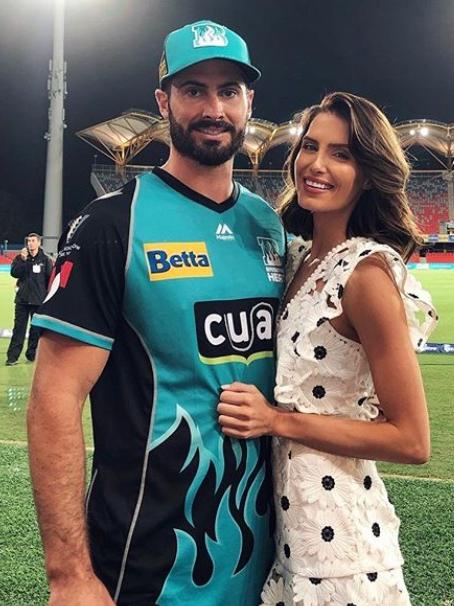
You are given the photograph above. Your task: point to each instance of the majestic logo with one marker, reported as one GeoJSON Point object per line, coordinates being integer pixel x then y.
{"type": "Point", "coordinates": [209, 35]}
{"type": "Point", "coordinates": [239, 330]}
{"type": "Point", "coordinates": [172, 260]}
{"type": "Point", "coordinates": [75, 226]}
{"type": "Point", "coordinates": [271, 259]}
{"type": "Point", "coordinates": [223, 232]}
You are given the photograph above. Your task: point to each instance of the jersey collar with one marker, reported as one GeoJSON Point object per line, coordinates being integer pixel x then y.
{"type": "Point", "coordinates": [183, 189]}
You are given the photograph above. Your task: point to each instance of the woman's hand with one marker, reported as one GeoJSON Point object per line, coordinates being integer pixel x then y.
{"type": "Point", "coordinates": [244, 412]}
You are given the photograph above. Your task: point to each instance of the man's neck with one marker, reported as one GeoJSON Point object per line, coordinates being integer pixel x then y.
{"type": "Point", "coordinates": [214, 182]}
{"type": "Point", "coordinates": [33, 253]}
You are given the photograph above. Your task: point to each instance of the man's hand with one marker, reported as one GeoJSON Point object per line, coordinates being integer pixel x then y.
{"type": "Point", "coordinates": [79, 592]}
{"type": "Point", "coordinates": [244, 412]}
{"type": "Point", "coordinates": [24, 253]}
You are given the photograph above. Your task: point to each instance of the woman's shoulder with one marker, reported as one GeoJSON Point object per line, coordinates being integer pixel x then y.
{"type": "Point", "coordinates": [368, 265]}
{"type": "Point", "coordinates": [360, 252]}
{"type": "Point", "coordinates": [357, 248]}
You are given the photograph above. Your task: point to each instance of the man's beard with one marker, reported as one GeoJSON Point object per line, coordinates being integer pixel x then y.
{"type": "Point", "coordinates": [208, 153]}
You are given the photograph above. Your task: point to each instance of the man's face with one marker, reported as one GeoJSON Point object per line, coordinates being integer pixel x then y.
{"type": "Point", "coordinates": [208, 108]}
{"type": "Point", "coordinates": [32, 243]}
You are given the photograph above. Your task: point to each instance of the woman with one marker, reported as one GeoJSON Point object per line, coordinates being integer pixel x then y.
{"type": "Point", "coordinates": [348, 384]}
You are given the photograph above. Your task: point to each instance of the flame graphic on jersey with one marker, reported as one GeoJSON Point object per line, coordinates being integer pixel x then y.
{"type": "Point", "coordinates": [227, 499]}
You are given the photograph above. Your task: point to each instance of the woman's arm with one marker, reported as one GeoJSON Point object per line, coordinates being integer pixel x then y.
{"type": "Point", "coordinates": [373, 307]}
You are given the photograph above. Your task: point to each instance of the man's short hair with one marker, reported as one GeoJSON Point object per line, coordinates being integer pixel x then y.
{"type": "Point", "coordinates": [166, 86]}
{"type": "Point", "coordinates": [34, 235]}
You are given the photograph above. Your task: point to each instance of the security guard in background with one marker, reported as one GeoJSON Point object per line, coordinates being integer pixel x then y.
{"type": "Point", "coordinates": [32, 268]}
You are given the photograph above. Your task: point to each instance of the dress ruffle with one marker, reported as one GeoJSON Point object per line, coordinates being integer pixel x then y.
{"type": "Point", "coordinates": [305, 330]}
{"type": "Point", "coordinates": [339, 265]}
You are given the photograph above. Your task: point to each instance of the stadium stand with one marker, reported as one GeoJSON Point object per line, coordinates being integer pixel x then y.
{"type": "Point", "coordinates": [107, 177]}
{"type": "Point", "coordinates": [440, 257]}
{"type": "Point", "coordinates": [272, 184]}
{"type": "Point", "coordinates": [428, 194]}
{"type": "Point", "coordinates": [248, 179]}
{"type": "Point", "coordinates": [268, 184]}
{"type": "Point", "coordinates": [429, 201]}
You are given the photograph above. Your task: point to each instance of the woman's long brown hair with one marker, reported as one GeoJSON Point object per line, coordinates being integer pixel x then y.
{"type": "Point", "coordinates": [382, 212]}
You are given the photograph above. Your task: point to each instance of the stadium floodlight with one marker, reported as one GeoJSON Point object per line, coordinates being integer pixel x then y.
{"type": "Point", "coordinates": [53, 199]}
{"type": "Point", "coordinates": [412, 132]}
{"type": "Point", "coordinates": [295, 130]}
{"type": "Point", "coordinates": [250, 130]}
{"type": "Point", "coordinates": [424, 131]}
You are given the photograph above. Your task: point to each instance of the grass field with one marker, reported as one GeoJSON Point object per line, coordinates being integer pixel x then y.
{"type": "Point", "coordinates": [423, 495]}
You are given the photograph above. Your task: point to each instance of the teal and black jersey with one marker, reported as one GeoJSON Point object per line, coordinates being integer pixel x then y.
{"type": "Point", "coordinates": [184, 292]}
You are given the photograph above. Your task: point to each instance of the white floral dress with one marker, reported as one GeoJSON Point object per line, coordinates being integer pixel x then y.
{"type": "Point", "coordinates": [336, 531]}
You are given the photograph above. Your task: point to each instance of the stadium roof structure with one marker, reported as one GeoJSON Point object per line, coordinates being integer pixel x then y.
{"type": "Point", "coordinates": [437, 138]}
{"type": "Point", "coordinates": [122, 138]}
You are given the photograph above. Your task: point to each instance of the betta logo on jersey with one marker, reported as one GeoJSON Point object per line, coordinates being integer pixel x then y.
{"type": "Point", "coordinates": [172, 260]}
{"type": "Point", "coordinates": [240, 330]}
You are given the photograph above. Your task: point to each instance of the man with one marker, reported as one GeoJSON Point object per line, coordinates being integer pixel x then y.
{"type": "Point", "coordinates": [32, 268]}
{"type": "Point", "coordinates": [165, 290]}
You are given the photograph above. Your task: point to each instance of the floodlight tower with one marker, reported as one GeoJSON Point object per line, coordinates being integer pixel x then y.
{"type": "Point", "coordinates": [448, 175]}
{"type": "Point", "coordinates": [56, 85]}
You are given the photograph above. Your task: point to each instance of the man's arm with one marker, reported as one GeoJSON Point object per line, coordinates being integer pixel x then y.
{"type": "Point", "coordinates": [65, 372]}
{"type": "Point", "coordinates": [19, 265]}
{"type": "Point", "coordinates": [49, 267]}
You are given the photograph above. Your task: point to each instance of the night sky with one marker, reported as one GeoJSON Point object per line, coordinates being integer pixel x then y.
{"type": "Point", "coordinates": [398, 53]}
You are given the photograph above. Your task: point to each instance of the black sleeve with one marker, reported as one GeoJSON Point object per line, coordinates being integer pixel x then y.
{"type": "Point", "coordinates": [85, 296]}
{"type": "Point", "coordinates": [49, 266]}
{"type": "Point", "coordinates": [18, 267]}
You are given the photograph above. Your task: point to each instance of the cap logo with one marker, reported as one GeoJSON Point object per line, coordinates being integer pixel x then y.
{"type": "Point", "coordinates": [209, 35]}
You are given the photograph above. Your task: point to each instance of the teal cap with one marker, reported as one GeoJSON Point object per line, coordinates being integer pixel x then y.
{"type": "Point", "coordinates": [203, 41]}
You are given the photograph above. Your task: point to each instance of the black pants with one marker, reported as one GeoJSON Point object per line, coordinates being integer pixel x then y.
{"type": "Point", "coordinates": [21, 314]}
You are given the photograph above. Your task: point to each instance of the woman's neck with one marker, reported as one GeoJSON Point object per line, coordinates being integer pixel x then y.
{"type": "Point", "coordinates": [327, 234]}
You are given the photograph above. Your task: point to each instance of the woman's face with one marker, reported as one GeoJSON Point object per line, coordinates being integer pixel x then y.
{"type": "Point", "coordinates": [327, 176]}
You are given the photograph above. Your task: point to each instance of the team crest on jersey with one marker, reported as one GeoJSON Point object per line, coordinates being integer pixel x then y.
{"type": "Point", "coordinates": [271, 259]}
{"type": "Point", "coordinates": [173, 260]}
{"type": "Point", "coordinates": [239, 330]}
{"type": "Point", "coordinates": [206, 34]}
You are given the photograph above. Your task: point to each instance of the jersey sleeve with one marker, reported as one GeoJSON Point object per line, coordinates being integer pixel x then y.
{"type": "Point", "coordinates": [84, 299]}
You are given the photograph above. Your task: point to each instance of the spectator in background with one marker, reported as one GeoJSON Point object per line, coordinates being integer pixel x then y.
{"type": "Point", "coordinates": [32, 268]}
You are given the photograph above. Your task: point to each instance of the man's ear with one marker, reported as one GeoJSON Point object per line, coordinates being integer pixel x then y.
{"type": "Point", "coordinates": [250, 99]}
{"type": "Point", "coordinates": [162, 99]}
